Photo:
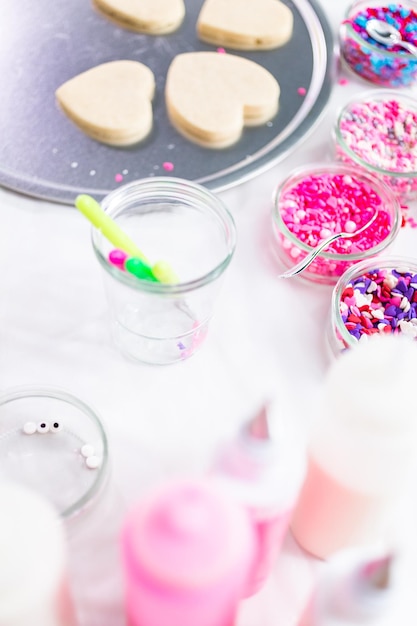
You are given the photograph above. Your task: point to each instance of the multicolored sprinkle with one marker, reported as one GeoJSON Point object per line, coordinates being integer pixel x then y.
{"type": "Point", "coordinates": [381, 300]}
{"type": "Point", "coordinates": [372, 60]}
{"type": "Point", "coordinates": [382, 133]}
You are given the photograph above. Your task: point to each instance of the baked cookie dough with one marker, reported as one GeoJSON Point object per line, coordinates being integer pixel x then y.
{"type": "Point", "coordinates": [152, 17]}
{"type": "Point", "coordinates": [211, 97]}
{"type": "Point", "coordinates": [245, 24]}
{"type": "Point", "coordinates": [111, 103]}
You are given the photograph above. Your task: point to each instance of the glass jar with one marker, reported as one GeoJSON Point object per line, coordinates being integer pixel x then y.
{"type": "Point", "coordinates": [359, 291]}
{"type": "Point", "coordinates": [186, 226]}
{"type": "Point", "coordinates": [317, 214]}
{"type": "Point", "coordinates": [377, 131]}
{"type": "Point", "coordinates": [372, 61]}
{"type": "Point", "coordinates": [53, 443]}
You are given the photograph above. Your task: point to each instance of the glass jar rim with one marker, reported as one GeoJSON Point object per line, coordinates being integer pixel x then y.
{"type": "Point", "coordinates": [366, 96]}
{"type": "Point", "coordinates": [172, 186]}
{"type": "Point", "coordinates": [22, 392]}
{"type": "Point", "coordinates": [318, 168]}
{"type": "Point", "coordinates": [366, 44]}
{"type": "Point", "coordinates": [356, 270]}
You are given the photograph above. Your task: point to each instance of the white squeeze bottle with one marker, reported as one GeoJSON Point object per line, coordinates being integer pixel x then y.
{"type": "Point", "coordinates": [33, 583]}
{"type": "Point", "coordinates": [263, 469]}
{"type": "Point", "coordinates": [362, 449]}
{"type": "Point", "coordinates": [355, 588]}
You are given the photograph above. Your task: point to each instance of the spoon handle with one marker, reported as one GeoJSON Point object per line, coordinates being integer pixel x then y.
{"type": "Point", "coordinates": [302, 265]}
{"type": "Point", "coordinates": [408, 46]}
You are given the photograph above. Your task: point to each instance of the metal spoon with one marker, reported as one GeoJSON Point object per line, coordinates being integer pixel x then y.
{"type": "Point", "coordinates": [388, 35]}
{"type": "Point", "coordinates": [302, 265]}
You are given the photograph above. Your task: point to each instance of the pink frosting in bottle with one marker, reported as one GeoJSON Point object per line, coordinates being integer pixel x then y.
{"type": "Point", "coordinates": [187, 551]}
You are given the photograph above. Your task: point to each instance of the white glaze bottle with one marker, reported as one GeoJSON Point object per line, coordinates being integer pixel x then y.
{"type": "Point", "coordinates": [362, 449]}
{"type": "Point", "coordinates": [33, 582]}
{"type": "Point", "coordinates": [355, 588]}
{"type": "Point", "coordinates": [263, 470]}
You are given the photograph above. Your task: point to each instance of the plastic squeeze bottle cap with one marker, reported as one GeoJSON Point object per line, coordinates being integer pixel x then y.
{"type": "Point", "coordinates": [357, 587]}
{"type": "Point", "coordinates": [262, 469]}
{"type": "Point", "coordinates": [187, 552]}
{"type": "Point", "coordinates": [32, 561]}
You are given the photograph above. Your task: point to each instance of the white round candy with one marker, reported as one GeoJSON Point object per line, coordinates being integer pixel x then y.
{"type": "Point", "coordinates": [29, 428]}
{"type": "Point", "coordinates": [87, 450]}
{"type": "Point", "coordinates": [92, 462]}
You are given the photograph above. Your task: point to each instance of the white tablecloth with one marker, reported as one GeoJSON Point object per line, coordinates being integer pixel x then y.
{"type": "Point", "coordinates": [266, 337]}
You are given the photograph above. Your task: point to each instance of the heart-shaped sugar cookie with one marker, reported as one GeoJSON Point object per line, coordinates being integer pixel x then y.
{"type": "Point", "coordinates": [153, 17]}
{"type": "Point", "coordinates": [210, 97]}
{"type": "Point", "coordinates": [245, 24]}
{"type": "Point", "coordinates": [112, 102]}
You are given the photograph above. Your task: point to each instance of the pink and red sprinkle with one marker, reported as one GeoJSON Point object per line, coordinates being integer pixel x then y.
{"type": "Point", "coordinates": [381, 134]}
{"type": "Point", "coordinates": [380, 301]}
{"type": "Point", "coordinates": [320, 205]}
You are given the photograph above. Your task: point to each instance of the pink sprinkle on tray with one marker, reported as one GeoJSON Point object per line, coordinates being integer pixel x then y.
{"type": "Point", "coordinates": [301, 91]}
{"type": "Point", "coordinates": [118, 178]}
{"type": "Point", "coordinates": [221, 50]}
{"type": "Point", "coordinates": [168, 166]}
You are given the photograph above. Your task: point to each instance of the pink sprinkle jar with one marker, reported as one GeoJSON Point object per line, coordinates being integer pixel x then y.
{"type": "Point", "coordinates": [338, 336]}
{"type": "Point", "coordinates": [316, 202]}
{"type": "Point", "coordinates": [378, 132]}
{"type": "Point", "coordinates": [373, 61]}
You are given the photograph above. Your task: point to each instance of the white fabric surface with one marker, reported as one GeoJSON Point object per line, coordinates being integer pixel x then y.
{"type": "Point", "coordinates": [266, 337]}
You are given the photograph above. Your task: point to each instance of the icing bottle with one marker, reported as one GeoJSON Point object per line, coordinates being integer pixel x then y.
{"type": "Point", "coordinates": [262, 470]}
{"type": "Point", "coordinates": [187, 552]}
{"type": "Point", "coordinates": [355, 588]}
{"type": "Point", "coordinates": [362, 449]}
{"type": "Point", "coordinates": [33, 579]}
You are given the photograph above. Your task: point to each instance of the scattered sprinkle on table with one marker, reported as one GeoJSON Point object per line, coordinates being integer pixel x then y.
{"type": "Point", "coordinates": [168, 166]}
{"type": "Point", "coordinates": [301, 91]}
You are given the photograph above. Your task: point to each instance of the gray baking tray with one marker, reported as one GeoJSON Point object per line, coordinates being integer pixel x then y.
{"type": "Point", "coordinates": [43, 43]}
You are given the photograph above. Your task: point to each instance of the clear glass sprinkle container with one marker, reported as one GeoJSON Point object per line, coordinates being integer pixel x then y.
{"type": "Point", "coordinates": [328, 265]}
{"type": "Point", "coordinates": [372, 61]}
{"type": "Point", "coordinates": [385, 147]}
{"type": "Point", "coordinates": [50, 459]}
{"type": "Point", "coordinates": [187, 226]}
{"type": "Point", "coordinates": [338, 337]}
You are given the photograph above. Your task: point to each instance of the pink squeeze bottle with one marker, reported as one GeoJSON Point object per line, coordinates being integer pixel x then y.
{"type": "Point", "coordinates": [362, 449]}
{"type": "Point", "coordinates": [264, 474]}
{"type": "Point", "coordinates": [187, 554]}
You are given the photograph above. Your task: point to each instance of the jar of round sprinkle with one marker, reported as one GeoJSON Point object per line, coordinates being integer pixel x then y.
{"type": "Point", "coordinates": [388, 66]}
{"type": "Point", "coordinates": [316, 202]}
{"type": "Point", "coordinates": [373, 297]}
{"type": "Point", "coordinates": [377, 131]}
